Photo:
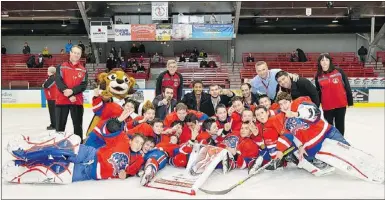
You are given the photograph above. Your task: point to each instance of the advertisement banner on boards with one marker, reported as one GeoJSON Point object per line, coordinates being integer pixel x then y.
{"type": "Point", "coordinates": [163, 32]}
{"type": "Point", "coordinates": [99, 34]}
{"type": "Point", "coordinates": [212, 31]}
{"type": "Point", "coordinates": [122, 32]}
{"type": "Point", "coordinates": [159, 10]}
{"type": "Point", "coordinates": [143, 32]}
{"type": "Point", "coordinates": [181, 31]}
{"type": "Point", "coordinates": [9, 96]}
{"type": "Point", "coordinates": [360, 95]}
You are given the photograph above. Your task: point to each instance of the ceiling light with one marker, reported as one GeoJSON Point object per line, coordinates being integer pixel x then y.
{"type": "Point", "coordinates": [266, 21]}
{"type": "Point", "coordinates": [335, 21]}
{"type": "Point", "coordinates": [64, 25]}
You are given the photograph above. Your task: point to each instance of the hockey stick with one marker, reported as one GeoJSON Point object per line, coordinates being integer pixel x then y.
{"type": "Point", "coordinates": [221, 192]}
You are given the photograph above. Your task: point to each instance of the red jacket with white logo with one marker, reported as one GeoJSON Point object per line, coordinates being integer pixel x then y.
{"type": "Point", "coordinates": [71, 76]}
{"type": "Point", "coordinates": [175, 81]}
{"type": "Point", "coordinates": [50, 88]}
{"type": "Point", "coordinates": [334, 90]}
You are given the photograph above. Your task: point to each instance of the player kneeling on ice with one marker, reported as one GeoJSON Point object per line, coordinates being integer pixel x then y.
{"type": "Point", "coordinates": [243, 148]}
{"type": "Point", "coordinates": [319, 142]}
{"type": "Point", "coordinates": [61, 159]}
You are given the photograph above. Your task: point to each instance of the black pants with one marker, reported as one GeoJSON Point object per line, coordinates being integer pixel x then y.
{"type": "Point", "coordinates": [51, 110]}
{"type": "Point", "coordinates": [77, 111]}
{"type": "Point", "coordinates": [336, 117]}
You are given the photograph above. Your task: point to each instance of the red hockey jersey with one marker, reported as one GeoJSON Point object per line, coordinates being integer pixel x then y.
{"type": "Point", "coordinates": [308, 129]}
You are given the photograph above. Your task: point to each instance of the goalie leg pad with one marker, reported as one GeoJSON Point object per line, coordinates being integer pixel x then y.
{"type": "Point", "coordinates": [352, 161]}
{"type": "Point", "coordinates": [20, 172]}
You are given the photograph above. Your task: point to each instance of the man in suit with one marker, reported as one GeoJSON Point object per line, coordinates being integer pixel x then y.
{"type": "Point", "coordinates": [164, 103]}
{"type": "Point", "coordinates": [217, 96]}
{"type": "Point", "coordinates": [195, 99]}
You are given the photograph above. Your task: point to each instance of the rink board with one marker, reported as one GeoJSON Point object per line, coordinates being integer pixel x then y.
{"type": "Point", "coordinates": [364, 97]}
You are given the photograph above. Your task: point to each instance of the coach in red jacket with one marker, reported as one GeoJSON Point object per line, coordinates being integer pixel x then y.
{"type": "Point", "coordinates": [334, 90]}
{"type": "Point", "coordinates": [71, 80]}
{"type": "Point", "coordinates": [171, 78]}
{"type": "Point", "coordinates": [50, 91]}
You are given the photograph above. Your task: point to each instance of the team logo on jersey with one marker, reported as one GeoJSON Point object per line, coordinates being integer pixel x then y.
{"type": "Point", "coordinates": [119, 162]}
{"type": "Point", "coordinates": [231, 141]}
{"type": "Point", "coordinates": [335, 80]}
{"type": "Point", "coordinates": [294, 124]}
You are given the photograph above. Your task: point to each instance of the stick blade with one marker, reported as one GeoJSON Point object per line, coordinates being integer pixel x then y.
{"type": "Point", "coordinates": [219, 192]}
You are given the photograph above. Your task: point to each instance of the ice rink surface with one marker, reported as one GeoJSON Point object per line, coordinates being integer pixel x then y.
{"type": "Point", "coordinates": [364, 130]}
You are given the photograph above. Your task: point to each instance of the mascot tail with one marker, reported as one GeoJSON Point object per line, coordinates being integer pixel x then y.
{"type": "Point", "coordinates": [95, 120]}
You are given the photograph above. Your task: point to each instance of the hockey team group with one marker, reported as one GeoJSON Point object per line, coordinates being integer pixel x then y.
{"type": "Point", "coordinates": [124, 144]}
{"type": "Point", "coordinates": [124, 147]}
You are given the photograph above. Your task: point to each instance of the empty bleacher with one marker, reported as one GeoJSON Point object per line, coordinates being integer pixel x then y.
{"type": "Point", "coordinates": [14, 69]}
{"type": "Point", "coordinates": [285, 57]}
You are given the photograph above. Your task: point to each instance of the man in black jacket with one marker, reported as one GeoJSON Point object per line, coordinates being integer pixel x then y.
{"type": "Point", "coordinates": [195, 99]}
{"type": "Point", "coordinates": [301, 55]}
{"type": "Point", "coordinates": [3, 50]}
{"type": "Point", "coordinates": [26, 49]}
{"type": "Point", "coordinates": [249, 98]}
{"type": "Point", "coordinates": [217, 96]}
{"type": "Point", "coordinates": [164, 104]}
{"type": "Point", "coordinates": [303, 87]}
{"type": "Point", "coordinates": [362, 52]}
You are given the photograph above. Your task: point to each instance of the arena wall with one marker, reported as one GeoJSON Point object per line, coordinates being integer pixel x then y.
{"type": "Point", "coordinates": [36, 98]}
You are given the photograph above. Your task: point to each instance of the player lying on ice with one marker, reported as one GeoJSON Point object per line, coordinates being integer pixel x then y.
{"type": "Point", "coordinates": [321, 142]}
{"type": "Point", "coordinates": [59, 158]}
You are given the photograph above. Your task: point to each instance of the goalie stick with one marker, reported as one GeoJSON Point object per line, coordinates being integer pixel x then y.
{"type": "Point", "coordinates": [225, 191]}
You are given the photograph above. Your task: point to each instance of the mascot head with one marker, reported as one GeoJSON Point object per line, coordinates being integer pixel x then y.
{"type": "Point", "coordinates": [116, 83]}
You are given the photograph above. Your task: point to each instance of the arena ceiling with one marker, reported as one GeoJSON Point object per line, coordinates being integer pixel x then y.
{"type": "Point", "coordinates": [21, 17]}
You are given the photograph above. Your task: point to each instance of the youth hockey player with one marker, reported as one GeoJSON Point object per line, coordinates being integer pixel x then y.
{"type": "Point", "coordinates": [148, 115]}
{"type": "Point", "coordinates": [62, 160]}
{"type": "Point", "coordinates": [246, 152]}
{"type": "Point", "coordinates": [264, 100]}
{"type": "Point", "coordinates": [180, 113]}
{"type": "Point", "coordinates": [111, 110]}
{"type": "Point", "coordinates": [316, 139]}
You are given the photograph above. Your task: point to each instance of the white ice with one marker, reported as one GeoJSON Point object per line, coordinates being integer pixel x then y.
{"type": "Point", "coordinates": [364, 130]}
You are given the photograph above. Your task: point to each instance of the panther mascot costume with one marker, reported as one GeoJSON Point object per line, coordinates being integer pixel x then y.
{"type": "Point", "coordinates": [113, 89]}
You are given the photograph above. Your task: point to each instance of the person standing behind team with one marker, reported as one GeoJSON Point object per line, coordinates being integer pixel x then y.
{"type": "Point", "coordinates": [50, 91]}
{"type": "Point", "coordinates": [264, 82]}
{"type": "Point", "coordinates": [71, 80]}
{"type": "Point", "coordinates": [172, 78]}
{"type": "Point", "coordinates": [303, 87]}
{"type": "Point", "coordinates": [334, 91]}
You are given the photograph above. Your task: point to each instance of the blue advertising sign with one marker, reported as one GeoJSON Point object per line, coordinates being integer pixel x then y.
{"type": "Point", "coordinates": [212, 31]}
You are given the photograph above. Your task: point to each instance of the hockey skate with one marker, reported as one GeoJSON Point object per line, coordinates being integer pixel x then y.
{"type": "Point", "coordinates": [255, 165]}
{"type": "Point", "coordinates": [291, 158]}
{"type": "Point", "coordinates": [147, 176]}
{"type": "Point", "coordinates": [228, 163]}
